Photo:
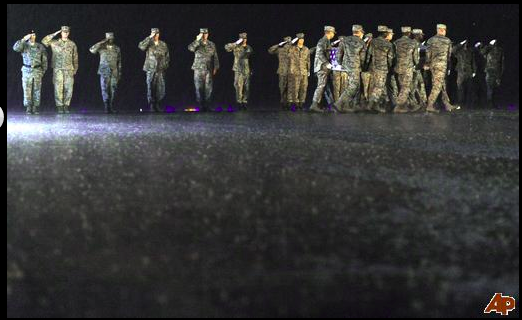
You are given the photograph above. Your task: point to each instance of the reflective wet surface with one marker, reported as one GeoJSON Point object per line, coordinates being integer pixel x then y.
{"type": "Point", "coordinates": [261, 214]}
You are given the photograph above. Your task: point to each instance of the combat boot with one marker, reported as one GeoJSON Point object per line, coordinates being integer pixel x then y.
{"type": "Point", "coordinates": [316, 108]}
{"type": "Point", "coordinates": [431, 109]}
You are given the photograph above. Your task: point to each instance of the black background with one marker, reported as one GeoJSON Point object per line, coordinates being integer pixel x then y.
{"type": "Point", "coordinates": [266, 25]}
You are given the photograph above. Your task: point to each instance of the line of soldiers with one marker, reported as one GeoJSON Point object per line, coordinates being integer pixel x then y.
{"type": "Point", "coordinates": [366, 74]}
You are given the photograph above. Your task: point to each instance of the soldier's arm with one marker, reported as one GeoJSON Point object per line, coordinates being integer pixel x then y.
{"type": "Point", "coordinates": [274, 49]}
{"type": "Point", "coordinates": [119, 64]}
{"type": "Point", "coordinates": [19, 46]}
{"type": "Point", "coordinates": [167, 57]}
{"type": "Point", "coordinates": [416, 54]}
{"type": "Point", "coordinates": [48, 40]}
{"type": "Point", "coordinates": [75, 59]}
{"type": "Point", "coordinates": [450, 49]}
{"type": "Point", "coordinates": [194, 46]}
{"type": "Point", "coordinates": [216, 60]}
{"type": "Point", "coordinates": [145, 44]}
{"type": "Point", "coordinates": [95, 48]}
{"type": "Point", "coordinates": [45, 63]}
{"type": "Point", "coordinates": [230, 47]}
{"type": "Point", "coordinates": [502, 64]}
{"type": "Point", "coordinates": [391, 56]}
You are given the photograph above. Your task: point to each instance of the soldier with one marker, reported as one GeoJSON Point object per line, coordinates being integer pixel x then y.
{"type": "Point", "coordinates": [479, 81]}
{"type": "Point", "coordinates": [339, 75]}
{"type": "Point", "coordinates": [206, 66]}
{"type": "Point", "coordinates": [466, 71]}
{"type": "Point", "coordinates": [353, 50]}
{"type": "Point", "coordinates": [281, 50]}
{"type": "Point", "coordinates": [494, 58]}
{"type": "Point", "coordinates": [242, 52]}
{"type": "Point", "coordinates": [418, 97]}
{"type": "Point", "coordinates": [109, 69]}
{"type": "Point", "coordinates": [322, 67]}
{"type": "Point", "coordinates": [299, 71]}
{"type": "Point", "coordinates": [438, 57]}
{"type": "Point", "coordinates": [407, 58]}
{"type": "Point", "coordinates": [381, 56]}
{"type": "Point", "coordinates": [34, 67]}
{"type": "Point", "coordinates": [65, 66]}
{"type": "Point", "coordinates": [157, 61]}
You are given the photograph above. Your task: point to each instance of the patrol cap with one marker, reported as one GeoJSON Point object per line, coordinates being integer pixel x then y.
{"type": "Point", "coordinates": [357, 28]}
{"type": "Point", "coordinates": [368, 35]}
{"type": "Point", "coordinates": [390, 31]}
{"type": "Point", "coordinates": [441, 26]}
{"type": "Point", "coordinates": [417, 31]}
{"type": "Point", "coordinates": [329, 29]}
{"type": "Point", "coordinates": [32, 31]}
{"type": "Point", "coordinates": [155, 30]}
{"type": "Point", "coordinates": [203, 30]}
{"type": "Point", "coordinates": [109, 35]}
{"type": "Point", "coordinates": [287, 39]}
{"type": "Point", "coordinates": [382, 28]}
{"type": "Point", "coordinates": [66, 29]}
{"type": "Point", "coordinates": [243, 35]}
{"type": "Point", "coordinates": [300, 35]}
{"type": "Point", "coordinates": [405, 29]}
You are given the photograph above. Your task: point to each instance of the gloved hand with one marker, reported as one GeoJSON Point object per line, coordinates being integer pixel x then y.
{"type": "Point", "coordinates": [463, 42]}
{"type": "Point", "coordinates": [478, 44]}
{"type": "Point", "coordinates": [295, 40]}
{"type": "Point", "coordinates": [473, 75]}
{"type": "Point", "coordinates": [282, 43]}
{"type": "Point", "coordinates": [238, 42]}
{"type": "Point", "coordinates": [199, 37]}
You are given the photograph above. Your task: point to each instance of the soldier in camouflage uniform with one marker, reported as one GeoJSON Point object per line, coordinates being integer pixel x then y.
{"type": "Point", "coordinates": [339, 75]}
{"type": "Point", "coordinates": [242, 52]}
{"type": "Point", "coordinates": [322, 67]}
{"type": "Point", "coordinates": [281, 50]}
{"type": "Point", "coordinates": [466, 71]}
{"type": "Point", "coordinates": [65, 66]}
{"type": "Point", "coordinates": [205, 66]}
{"type": "Point", "coordinates": [418, 96]}
{"type": "Point", "coordinates": [438, 57]}
{"type": "Point", "coordinates": [381, 57]}
{"type": "Point", "coordinates": [353, 50]}
{"type": "Point", "coordinates": [34, 67]}
{"type": "Point", "coordinates": [407, 58]}
{"type": "Point", "coordinates": [157, 61]}
{"type": "Point", "coordinates": [494, 58]}
{"type": "Point", "coordinates": [109, 69]}
{"type": "Point", "coordinates": [299, 71]}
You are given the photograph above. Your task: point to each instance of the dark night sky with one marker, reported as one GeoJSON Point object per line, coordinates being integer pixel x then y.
{"type": "Point", "coordinates": [266, 25]}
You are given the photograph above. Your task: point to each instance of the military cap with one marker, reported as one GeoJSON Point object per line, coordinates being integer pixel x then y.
{"type": "Point", "coordinates": [329, 29]}
{"type": "Point", "coordinates": [417, 31]}
{"type": "Point", "coordinates": [109, 35]}
{"type": "Point", "coordinates": [390, 31]}
{"type": "Point", "coordinates": [441, 26]}
{"type": "Point", "coordinates": [300, 35]}
{"type": "Point", "coordinates": [203, 30]}
{"type": "Point", "coordinates": [405, 29]}
{"type": "Point", "coordinates": [155, 30]}
{"type": "Point", "coordinates": [382, 29]}
{"type": "Point", "coordinates": [66, 29]}
{"type": "Point", "coordinates": [357, 28]}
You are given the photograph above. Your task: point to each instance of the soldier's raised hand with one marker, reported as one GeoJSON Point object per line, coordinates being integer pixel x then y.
{"type": "Point", "coordinates": [238, 42]}
{"type": "Point", "coordinates": [199, 37]}
{"type": "Point", "coordinates": [27, 37]}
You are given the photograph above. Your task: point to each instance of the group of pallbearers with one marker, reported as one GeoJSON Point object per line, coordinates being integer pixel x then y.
{"type": "Point", "coordinates": [363, 73]}
{"type": "Point", "coordinates": [356, 73]}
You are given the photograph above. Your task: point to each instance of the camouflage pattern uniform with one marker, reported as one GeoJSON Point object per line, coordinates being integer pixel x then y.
{"type": "Point", "coordinates": [466, 69]}
{"type": "Point", "coordinates": [299, 71]}
{"type": "Point", "coordinates": [157, 61]}
{"type": "Point", "coordinates": [321, 70]}
{"type": "Point", "coordinates": [407, 58]}
{"type": "Point", "coordinates": [241, 69]}
{"type": "Point", "coordinates": [438, 57]}
{"type": "Point", "coordinates": [34, 67]}
{"type": "Point", "coordinates": [418, 96]}
{"type": "Point", "coordinates": [282, 71]}
{"type": "Point", "coordinates": [65, 66]}
{"type": "Point", "coordinates": [109, 69]}
{"type": "Point", "coordinates": [353, 50]}
{"type": "Point", "coordinates": [339, 77]}
{"type": "Point", "coordinates": [381, 55]}
{"type": "Point", "coordinates": [206, 60]}
{"type": "Point", "coordinates": [494, 56]}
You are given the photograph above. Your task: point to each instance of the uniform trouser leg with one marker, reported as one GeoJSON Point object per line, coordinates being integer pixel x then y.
{"type": "Point", "coordinates": [336, 83]}
{"type": "Point", "coordinates": [378, 89]}
{"type": "Point", "coordinates": [242, 86]}
{"type": "Point", "coordinates": [302, 88]}
{"type": "Point", "coordinates": [405, 81]}
{"type": "Point", "coordinates": [32, 84]}
{"type": "Point", "coordinates": [322, 81]}
{"type": "Point", "coordinates": [438, 85]}
{"type": "Point", "coordinates": [109, 86]}
{"type": "Point", "coordinates": [492, 84]}
{"type": "Point", "coordinates": [348, 97]}
{"type": "Point", "coordinates": [283, 87]}
{"type": "Point", "coordinates": [155, 87]}
{"type": "Point", "coordinates": [209, 86]}
{"type": "Point", "coordinates": [63, 87]}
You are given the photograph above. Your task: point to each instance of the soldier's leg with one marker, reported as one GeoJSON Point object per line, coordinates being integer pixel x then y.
{"type": "Point", "coordinates": [68, 89]}
{"type": "Point", "coordinates": [150, 96]}
{"type": "Point", "coordinates": [405, 80]}
{"type": "Point", "coordinates": [105, 90]}
{"type": "Point", "coordinates": [336, 84]}
{"type": "Point", "coordinates": [322, 81]}
{"type": "Point", "coordinates": [246, 88]}
{"type": "Point", "coordinates": [58, 80]}
{"type": "Point", "coordinates": [437, 84]}
{"type": "Point", "coordinates": [199, 84]}
{"type": "Point", "coordinates": [113, 90]}
{"type": "Point", "coordinates": [378, 91]}
{"type": "Point", "coordinates": [293, 85]}
{"type": "Point", "coordinates": [37, 92]}
{"type": "Point", "coordinates": [209, 86]}
{"type": "Point", "coordinates": [27, 85]}
{"type": "Point", "coordinates": [160, 87]}
{"type": "Point", "coordinates": [446, 101]}
{"type": "Point", "coordinates": [303, 90]}
{"type": "Point", "coordinates": [461, 94]}
{"type": "Point", "coordinates": [238, 86]}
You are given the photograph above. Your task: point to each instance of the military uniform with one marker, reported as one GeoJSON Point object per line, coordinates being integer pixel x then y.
{"type": "Point", "coordinates": [438, 56]}
{"type": "Point", "coordinates": [381, 57]}
{"type": "Point", "coordinates": [282, 50]}
{"type": "Point", "coordinates": [322, 68]}
{"type": "Point", "coordinates": [65, 66]}
{"type": "Point", "coordinates": [157, 61]}
{"type": "Point", "coordinates": [206, 61]}
{"type": "Point", "coordinates": [418, 96]}
{"type": "Point", "coordinates": [466, 70]}
{"type": "Point", "coordinates": [298, 71]}
{"type": "Point", "coordinates": [353, 50]}
{"type": "Point", "coordinates": [494, 58]}
{"type": "Point", "coordinates": [109, 69]}
{"type": "Point", "coordinates": [339, 76]}
{"type": "Point", "coordinates": [407, 58]}
{"type": "Point", "coordinates": [34, 67]}
{"type": "Point", "coordinates": [241, 69]}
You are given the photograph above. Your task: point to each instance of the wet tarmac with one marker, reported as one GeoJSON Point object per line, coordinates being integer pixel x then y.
{"type": "Point", "coordinates": [261, 214]}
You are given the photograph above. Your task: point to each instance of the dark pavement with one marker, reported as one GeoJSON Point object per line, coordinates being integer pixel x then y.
{"type": "Point", "coordinates": [261, 214]}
